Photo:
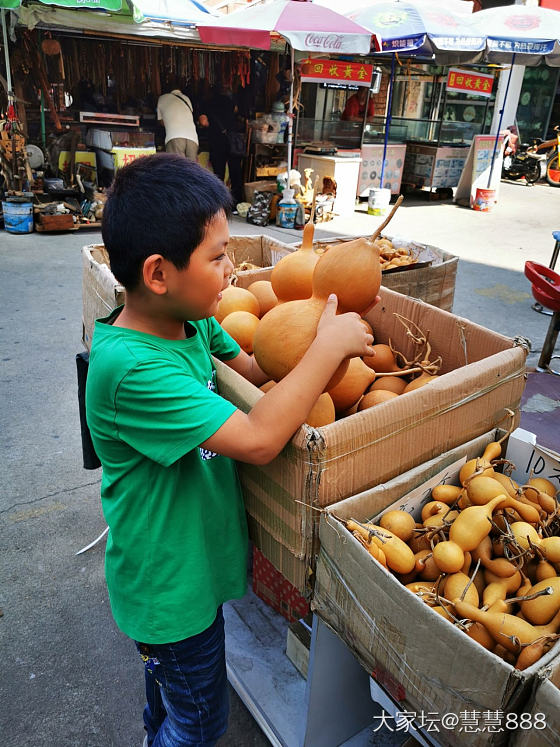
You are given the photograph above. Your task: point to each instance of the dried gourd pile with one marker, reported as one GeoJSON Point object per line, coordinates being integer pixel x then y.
{"type": "Point", "coordinates": [391, 256]}
{"type": "Point", "coordinates": [277, 321]}
{"type": "Point", "coordinates": [486, 557]}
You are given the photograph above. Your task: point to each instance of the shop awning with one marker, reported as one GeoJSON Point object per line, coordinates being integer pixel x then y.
{"type": "Point", "coordinates": [177, 12]}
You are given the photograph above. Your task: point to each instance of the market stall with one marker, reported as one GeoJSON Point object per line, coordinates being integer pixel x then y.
{"type": "Point", "coordinates": [86, 104]}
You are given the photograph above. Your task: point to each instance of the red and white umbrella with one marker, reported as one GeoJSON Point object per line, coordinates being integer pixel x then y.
{"type": "Point", "coordinates": [306, 26]}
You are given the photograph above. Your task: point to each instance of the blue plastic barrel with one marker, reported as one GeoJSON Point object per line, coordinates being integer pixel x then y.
{"type": "Point", "coordinates": [18, 215]}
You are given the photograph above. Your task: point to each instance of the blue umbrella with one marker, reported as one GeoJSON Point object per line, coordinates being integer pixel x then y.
{"type": "Point", "coordinates": [423, 29]}
{"type": "Point", "coordinates": [521, 35]}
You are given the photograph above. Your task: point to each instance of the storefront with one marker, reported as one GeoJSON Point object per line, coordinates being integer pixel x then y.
{"type": "Point", "coordinates": [86, 103]}
{"type": "Point", "coordinates": [436, 112]}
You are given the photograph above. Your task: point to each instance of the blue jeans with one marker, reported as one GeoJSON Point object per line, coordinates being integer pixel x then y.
{"type": "Point", "coordinates": [186, 689]}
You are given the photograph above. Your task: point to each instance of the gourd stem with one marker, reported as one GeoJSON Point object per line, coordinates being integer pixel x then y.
{"type": "Point", "coordinates": [388, 218]}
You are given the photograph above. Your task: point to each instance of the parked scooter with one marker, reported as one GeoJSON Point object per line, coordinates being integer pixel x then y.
{"type": "Point", "coordinates": [520, 161]}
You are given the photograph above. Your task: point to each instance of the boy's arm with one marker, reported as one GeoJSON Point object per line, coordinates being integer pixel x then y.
{"type": "Point", "coordinates": [260, 435]}
{"type": "Point", "coordinates": [247, 366]}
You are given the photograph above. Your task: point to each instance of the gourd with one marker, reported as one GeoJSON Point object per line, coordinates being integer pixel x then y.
{"type": "Point", "coordinates": [545, 570]}
{"type": "Point", "coordinates": [285, 333]}
{"type": "Point", "coordinates": [499, 588]}
{"type": "Point", "coordinates": [265, 295]}
{"type": "Point", "coordinates": [375, 398]}
{"type": "Point", "coordinates": [389, 384]}
{"type": "Point", "coordinates": [541, 610]}
{"type": "Point", "coordinates": [478, 633]}
{"type": "Point", "coordinates": [446, 493]}
{"type": "Point", "coordinates": [421, 381]}
{"type": "Point", "coordinates": [426, 566]}
{"type": "Point", "coordinates": [441, 518]}
{"type": "Point", "coordinates": [353, 384]}
{"type": "Point", "coordinates": [543, 485]}
{"type": "Point", "coordinates": [532, 653]}
{"type": "Point", "coordinates": [291, 277]}
{"type": "Point", "coordinates": [550, 547]}
{"type": "Point", "coordinates": [398, 554]}
{"type": "Point", "coordinates": [506, 482]}
{"type": "Point", "coordinates": [236, 299]}
{"type": "Point", "coordinates": [473, 524]}
{"type": "Point", "coordinates": [449, 557]}
{"type": "Point", "coordinates": [455, 585]}
{"type": "Point", "coordinates": [322, 413]}
{"type": "Point", "coordinates": [383, 361]}
{"type": "Point", "coordinates": [525, 534]}
{"type": "Point", "coordinates": [400, 523]}
{"type": "Point", "coordinates": [432, 508]}
{"type": "Point", "coordinates": [499, 566]}
{"type": "Point", "coordinates": [483, 488]}
{"type": "Point", "coordinates": [420, 587]}
{"type": "Point", "coordinates": [509, 631]}
{"type": "Point", "coordinates": [352, 270]}
{"type": "Point", "coordinates": [241, 325]}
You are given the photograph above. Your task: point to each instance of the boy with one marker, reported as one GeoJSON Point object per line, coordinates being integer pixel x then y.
{"type": "Point", "coordinates": [177, 544]}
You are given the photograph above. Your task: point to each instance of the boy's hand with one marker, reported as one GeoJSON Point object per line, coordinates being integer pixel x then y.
{"type": "Point", "coordinates": [343, 332]}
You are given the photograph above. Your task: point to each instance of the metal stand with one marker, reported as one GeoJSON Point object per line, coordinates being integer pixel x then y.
{"type": "Point", "coordinates": [548, 345]}
{"type": "Point", "coordinates": [539, 308]}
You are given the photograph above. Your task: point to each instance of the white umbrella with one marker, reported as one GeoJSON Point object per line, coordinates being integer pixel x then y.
{"type": "Point", "coordinates": [517, 34]}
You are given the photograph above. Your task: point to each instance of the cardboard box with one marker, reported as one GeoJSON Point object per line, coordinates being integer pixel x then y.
{"type": "Point", "coordinates": [260, 250]}
{"type": "Point", "coordinates": [541, 715]}
{"type": "Point", "coordinates": [101, 292]}
{"type": "Point", "coordinates": [271, 586]}
{"type": "Point", "coordinates": [483, 375]}
{"type": "Point", "coordinates": [426, 663]}
{"type": "Point", "coordinates": [434, 284]}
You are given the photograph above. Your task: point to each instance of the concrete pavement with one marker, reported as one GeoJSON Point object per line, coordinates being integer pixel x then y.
{"type": "Point", "coordinates": [70, 678]}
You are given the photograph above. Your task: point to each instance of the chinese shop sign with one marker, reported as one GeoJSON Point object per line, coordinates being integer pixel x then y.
{"type": "Point", "coordinates": [336, 71]}
{"type": "Point", "coordinates": [464, 81]}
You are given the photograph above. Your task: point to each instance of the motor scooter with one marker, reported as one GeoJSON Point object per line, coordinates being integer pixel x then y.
{"type": "Point", "coordinates": [520, 161]}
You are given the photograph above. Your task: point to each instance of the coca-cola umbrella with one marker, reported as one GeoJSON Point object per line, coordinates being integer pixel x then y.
{"type": "Point", "coordinates": [520, 35]}
{"type": "Point", "coordinates": [306, 26]}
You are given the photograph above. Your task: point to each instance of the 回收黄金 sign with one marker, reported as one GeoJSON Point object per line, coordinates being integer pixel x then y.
{"type": "Point", "coordinates": [464, 81]}
{"type": "Point", "coordinates": [336, 71]}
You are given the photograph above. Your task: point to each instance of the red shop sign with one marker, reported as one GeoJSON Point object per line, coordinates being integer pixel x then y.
{"type": "Point", "coordinates": [330, 71]}
{"type": "Point", "coordinates": [465, 81]}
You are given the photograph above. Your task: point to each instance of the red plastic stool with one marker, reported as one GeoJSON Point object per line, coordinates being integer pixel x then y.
{"type": "Point", "coordinates": [546, 290]}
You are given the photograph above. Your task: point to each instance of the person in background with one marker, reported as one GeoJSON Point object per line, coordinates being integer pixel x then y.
{"type": "Point", "coordinates": [356, 106]}
{"type": "Point", "coordinates": [222, 117]}
{"type": "Point", "coordinates": [175, 113]}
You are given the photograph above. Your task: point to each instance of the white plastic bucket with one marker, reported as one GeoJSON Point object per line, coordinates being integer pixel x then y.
{"type": "Point", "coordinates": [378, 201]}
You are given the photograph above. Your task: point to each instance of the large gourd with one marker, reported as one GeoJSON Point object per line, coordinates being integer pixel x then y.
{"type": "Point", "coordinates": [352, 270]}
{"type": "Point", "coordinates": [285, 333]}
{"type": "Point", "coordinates": [292, 275]}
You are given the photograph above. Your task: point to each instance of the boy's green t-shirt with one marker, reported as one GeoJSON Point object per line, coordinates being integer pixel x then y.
{"type": "Point", "coordinates": [177, 542]}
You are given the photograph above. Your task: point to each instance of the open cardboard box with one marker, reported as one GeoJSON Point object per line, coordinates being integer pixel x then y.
{"type": "Point", "coordinates": [483, 375]}
{"type": "Point", "coordinates": [424, 661]}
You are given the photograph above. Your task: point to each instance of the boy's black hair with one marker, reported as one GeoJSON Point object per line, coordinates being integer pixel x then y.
{"type": "Point", "coordinates": [160, 204]}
